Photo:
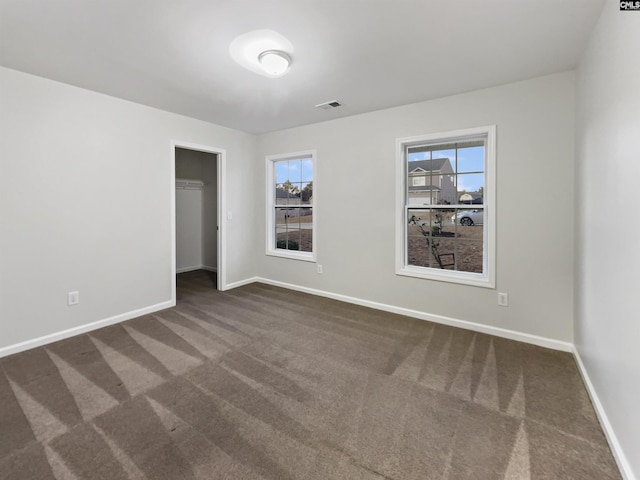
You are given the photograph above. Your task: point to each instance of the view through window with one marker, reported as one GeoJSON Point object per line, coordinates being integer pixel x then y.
{"type": "Point", "coordinates": [292, 191]}
{"type": "Point", "coordinates": [445, 206]}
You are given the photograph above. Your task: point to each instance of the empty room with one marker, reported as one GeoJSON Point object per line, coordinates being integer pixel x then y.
{"type": "Point", "coordinates": [319, 239]}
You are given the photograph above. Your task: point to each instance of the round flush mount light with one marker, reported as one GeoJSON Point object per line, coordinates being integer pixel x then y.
{"type": "Point", "coordinates": [264, 52]}
{"type": "Point", "coordinates": [275, 62]}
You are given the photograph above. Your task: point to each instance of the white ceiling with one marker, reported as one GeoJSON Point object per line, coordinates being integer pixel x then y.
{"type": "Point", "coordinates": [368, 54]}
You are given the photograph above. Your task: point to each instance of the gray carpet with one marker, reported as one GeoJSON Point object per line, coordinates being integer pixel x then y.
{"type": "Point", "coordinates": [265, 383]}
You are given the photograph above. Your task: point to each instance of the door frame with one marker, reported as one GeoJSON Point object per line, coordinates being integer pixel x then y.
{"type": "Point", "coordinates": [221, 174]}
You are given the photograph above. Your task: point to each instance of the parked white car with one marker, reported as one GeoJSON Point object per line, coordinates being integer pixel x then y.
{"type": "Point", "coordinates": [469, 217]}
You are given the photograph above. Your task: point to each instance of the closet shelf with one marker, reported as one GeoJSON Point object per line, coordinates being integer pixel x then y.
{"type": "Point", "coordinates": [187, 184]}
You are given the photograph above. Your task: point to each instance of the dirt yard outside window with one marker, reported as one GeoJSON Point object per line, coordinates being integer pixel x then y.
{"type": "Point", "coordinates": [458, 247]}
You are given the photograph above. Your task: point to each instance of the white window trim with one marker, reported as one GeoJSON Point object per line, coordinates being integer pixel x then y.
{"type": "Point", "coordinates": [271, 249]}
{"type": "Point", "coordinates": [486, 279]}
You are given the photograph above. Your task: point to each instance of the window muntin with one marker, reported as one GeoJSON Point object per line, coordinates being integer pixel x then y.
{"type": "Point", "coordinates": [290, 206]}
{"type": "Point", "coordinates": [446, 226]}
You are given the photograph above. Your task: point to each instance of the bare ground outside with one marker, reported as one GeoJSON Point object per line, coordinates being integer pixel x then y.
{"type": "Point", "coordinates": [458, 247]}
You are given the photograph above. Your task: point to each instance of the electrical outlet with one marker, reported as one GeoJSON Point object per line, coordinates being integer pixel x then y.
{"type": "Point", "coordinates": [73, 298]}
{"type": "Point", "coordinates": [503, 299]}
{"type": "Point", "coordinates": [320, 269]}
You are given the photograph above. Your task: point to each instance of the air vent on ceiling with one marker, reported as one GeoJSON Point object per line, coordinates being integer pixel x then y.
{"type": "Point", "coordinates": [329, 105]}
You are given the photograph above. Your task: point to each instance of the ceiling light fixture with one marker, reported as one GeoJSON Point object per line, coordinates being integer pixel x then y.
{"type": "Point", "coordinates": [275, 62]}
{"type": "Point", "coordinates": [264, 52]}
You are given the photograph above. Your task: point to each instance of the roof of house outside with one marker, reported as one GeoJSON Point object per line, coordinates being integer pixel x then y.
{"type": "Point", "coordinates": [282, 193]}
{"type": "Point", "coordinates": [475, 198]}
{"type": "Point", "coordinates": [427, 165]}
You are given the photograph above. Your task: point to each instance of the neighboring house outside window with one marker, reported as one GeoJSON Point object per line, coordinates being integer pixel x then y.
{"type": "Point", "coordinates": [431, 181]}
{"type": "Point", "coordinates": [446, 207]}
{"type": "Point", "coordinates": [290, 205]}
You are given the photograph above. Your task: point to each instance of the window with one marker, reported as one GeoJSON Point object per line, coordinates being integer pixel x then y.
{"type": "Point", "coordinates": [445, 227]}
{"type": "Point", "coordinates": [290, 205]}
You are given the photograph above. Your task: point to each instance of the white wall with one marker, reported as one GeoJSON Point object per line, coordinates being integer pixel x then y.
{"type": "Point", "coordinates": [85, 204]}
{"type": "Point", "coordinates": [607, 324]}
{"type": "Point", "coordinates": [354, 189]}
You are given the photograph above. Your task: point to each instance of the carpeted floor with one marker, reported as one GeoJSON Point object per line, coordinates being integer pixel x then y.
{"type": "Point", "coordinates": [265, 383]}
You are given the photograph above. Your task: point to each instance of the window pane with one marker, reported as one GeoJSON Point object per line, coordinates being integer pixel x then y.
{"type": "Point", "coordinates": [470, 188]}
{"type": "Point", "coordinates": [295, 171]}
{"type": "Point", "coordinates": [288, 193]}
{"type": "Point", "coordinates": [287, 228]}
{"type": "Point", "coordinates": [418, 167]}
{"type": "Point", "coordinates": [282, 171]}
{"type": "Point", "coordinates": [418, 252]}
{"type": "Point", "coordinates": [306, 229]}
{"type": "Point", "coordinates": [306, 193]}
{"type": "Point", "coordinates": [443, 252]}
{"type": "Point", "coordinates": [420, 224]}
{"type": "Point", "coordinates": [443, 189]}
{"type": "Point", "coordinates": [436, 239]}
{"type": "Point", "coordinates": [469, 217]}
{"type": "Point", "coordinates": [419, 182]}
{"type": "Point", "coordinates": [443, 236]}
{"type": "Point", "coordinates": [281, 195]}
{"type": "Point", "coordinates": [293, 226]}
{"type": "Point", "coordinates": [471, 159]}
{"type": "Point", "coordinates": [307, 170]}
{"type": "Point", "coordinates": [427, 229]}
{"type": "Point", "coordinates": [443, 219]}
{"type": "Point", "coordinates": [283, 214]}
{"type": "Point", "coordinates": [469, 256]}
{"type": "Point", "coordinates": [419, 196]}
{"type": "Point", "coordinates": [281, 233]}
{"type": "Point", "coordinates": [446, 153]}
{"type": "Point", "coordinates": [418, 237]}
{"type": "Point", "coordinates": [419, 221]}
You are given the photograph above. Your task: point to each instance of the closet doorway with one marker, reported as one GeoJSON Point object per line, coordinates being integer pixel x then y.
{"type": "Point", "coordinates": [197, 196]}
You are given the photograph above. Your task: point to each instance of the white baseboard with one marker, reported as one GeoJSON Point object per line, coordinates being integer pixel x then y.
{"type": "Point", "coordinates": [616, 448]}
{"type": "Point", "coordinates": [240, 283]}
{"type": "Point", "coordinates": [196, 267]}
{"type": "Point", "coordinates": [188, 269]}
{"type": "Point", "coordinates": [54, 337]}
{"type": "Point", "coordinates": [454, 322]}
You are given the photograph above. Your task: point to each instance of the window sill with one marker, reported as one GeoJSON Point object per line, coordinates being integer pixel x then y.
{"type": "Point", "coordinates": [462, 278]}
{"type": "Point", "coordinates": [303, 256]}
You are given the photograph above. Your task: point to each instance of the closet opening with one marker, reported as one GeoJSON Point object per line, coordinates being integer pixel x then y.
{"type": "Point", "coordinates": [197, 203]}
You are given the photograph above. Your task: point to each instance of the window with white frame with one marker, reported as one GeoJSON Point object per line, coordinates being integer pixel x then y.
{"type": "Point", "coordinates": [445, 227]}
{"type": "Point", "coordinates": [290, 205]}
